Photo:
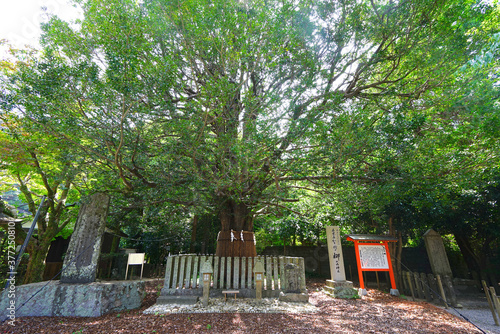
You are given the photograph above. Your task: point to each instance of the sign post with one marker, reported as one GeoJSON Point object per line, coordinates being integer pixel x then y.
{"type": "Point", "coordinates": [206, 272]}
{"type": "Point", "coordinates": [337, 286]}
{"type": "Point", "coordinates": [372, 254]}
{"type": "Point", "coordinates": [258, 271]}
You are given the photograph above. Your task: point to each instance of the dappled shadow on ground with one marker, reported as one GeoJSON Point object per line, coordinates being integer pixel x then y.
{"type": "Point", "coordinates": [377, 313]}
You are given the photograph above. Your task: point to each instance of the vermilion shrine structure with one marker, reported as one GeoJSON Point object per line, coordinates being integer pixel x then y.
{"type": "Point", "coordinates": [372, 254]}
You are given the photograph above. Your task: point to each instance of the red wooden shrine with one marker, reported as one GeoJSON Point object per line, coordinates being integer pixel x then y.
{"type": "Point", "coordinates": [372, 254]}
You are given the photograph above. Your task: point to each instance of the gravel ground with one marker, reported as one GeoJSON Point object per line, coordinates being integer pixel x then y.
{"type": "Point", "coordinates": [481, 317]}
{"type": "Point", "coordinates": [377, 313]}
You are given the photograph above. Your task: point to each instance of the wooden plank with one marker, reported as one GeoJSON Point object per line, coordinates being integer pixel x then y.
{"type": "Point", "coordinates": [282, 273]}
{"type": "Point", "coordinates": [269, 273]}
{"type": "Point", "coordinates": [222, 272]}
{"type": "Point", "coordinates": [168, 273]}
{"type": "Point", "coordinates": [203, 258]}
{"type": "Point", "coordinates": [418, 286]}
{"type": "Point", "coordinates": [441, 290]}
{"type": "Point", "coordinates": [496, 302]}
{"type": "Point", "coordinates": [408, 276]}
{"type": "Point", "coordinates": [210, 259]}
{"type": "Point", "coordinates": [425, 284]}
{"type": "Point", "coordinates": [302, 274]}
{"type": "Point", "coordinates": [228, 272]}
{"type": "Point", "coordinates": [490, 302]}
{"type": "Point", "coordinates": [196, 266]}
{"type": "Point", "coordinates": [243, 271]}
{"type": "Point", "coordinates": [189, 264]}
{"type": "Point", "coordinates": [216, 272]}
{"type": "Point", "coordinates": [182, 269]}
{"type": "Point", "coordinates": [406, 288]}
{"type": "Point", "coordinates": [176, 272]}
{"type": "Point", "coordinates": [275, 275]}
{"type": "Point", "coordinates": [236, 273]}
{"type": "Point", "coordinates": [433, 284]}
{"type": "Point", "coordinates": [250, 272]}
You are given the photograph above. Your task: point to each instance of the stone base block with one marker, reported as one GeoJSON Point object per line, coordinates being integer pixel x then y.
{"type": "Point", "coordinates": [394, 292]}
{"type": "Point", "coordinates": [73, 300]}
{"type": "Point", "coordinates": [177, 300]}
{"type": "Point", "coordinates": [341, 289]}
{"type": "Point", "coordinates": [244, 293]}
{"type": "Point", "coordinates": [293, 297]}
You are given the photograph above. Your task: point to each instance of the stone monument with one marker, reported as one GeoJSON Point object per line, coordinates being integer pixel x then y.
{"type": "Point", "coordinates": [77, 294]}
{"type": "Point", "coordinates": [338, 286]}
{"type": "Point", "coordinates": [437, 254]}
{"type": "Point", "coordinates": [294, 289]}
{"type": "Point", "coordinates": [84, 248]}
{"type": "Point", "coordinates": [440, 264]}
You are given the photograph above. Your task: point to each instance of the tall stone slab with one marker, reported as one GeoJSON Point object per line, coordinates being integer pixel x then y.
{"type": "Point", "coordinates": [335, 255]}
{"type": "Point", "coordinates": [85, 245]}
{"type": "Point", "coordinates": [337, 287]}
{"type": "Point", "coordinates": [437, 253]}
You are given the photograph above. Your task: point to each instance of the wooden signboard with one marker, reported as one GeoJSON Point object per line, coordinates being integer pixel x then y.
{"type": "Point", "coordinates": [372, 254]}
{"type": "Point", "coordinates": [373, 257]}
{"type": "Point", "coordinates": [135, 259]}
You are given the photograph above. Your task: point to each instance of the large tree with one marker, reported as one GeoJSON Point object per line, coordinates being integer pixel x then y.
{"type": "Point", "coordinates": [222, 104]}
{"type": "Point", "coordinates": [37, 165]}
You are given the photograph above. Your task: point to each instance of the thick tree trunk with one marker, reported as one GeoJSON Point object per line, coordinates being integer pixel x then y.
{"type": "Point", "coordinates": [235, 216]}
{"type": "Point", "coordinates": [471, 259]}
{"type": "Point", "coordinates": [396, 250]}
{"type": "Point", "coordinates": [236, 237]}
{"type": "Point", "coordinates": [36, 264]}
{"type": "Point", "coordinates": [193, 234]}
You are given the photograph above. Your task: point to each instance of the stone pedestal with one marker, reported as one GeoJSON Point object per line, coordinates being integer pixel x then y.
{"type": "Point", "coordinates": [337, 287]}
{"type": "Point", "coordinates": [75, 300]}
{"type": "Point", "coordinates": [341, 289]}
{"type": "Point", "coordinates": [293, 297]}
{"type": "Point", "coordinates": [335, 255]}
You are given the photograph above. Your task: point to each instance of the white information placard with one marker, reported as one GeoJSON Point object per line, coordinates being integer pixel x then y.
{"type": "Point", "coordinates": [136, 258]}
{"type": "Point", "coordinates": [133, 259]}
{"type": "Point", "coordinates": [373, 257]}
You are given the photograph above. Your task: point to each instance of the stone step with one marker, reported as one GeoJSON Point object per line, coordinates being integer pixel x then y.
{"type": "Point", "coordinates": [340, 290]}
{"type": "Point", "coordinates": [339, 284]}
{"type": "Point", "coordinates": [178, 300]}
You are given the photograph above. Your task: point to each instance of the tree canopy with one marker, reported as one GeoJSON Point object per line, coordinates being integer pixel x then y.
{"type": "Point", "coordinates": [242, 108]}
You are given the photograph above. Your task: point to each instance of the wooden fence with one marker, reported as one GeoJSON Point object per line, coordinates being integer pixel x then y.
{"type": "Point", "coordinates": [182, 273]}
{"type": "Point", "coordinates": [432, 288]}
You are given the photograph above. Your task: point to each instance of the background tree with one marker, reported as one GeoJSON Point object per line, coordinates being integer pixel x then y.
{"type": "Point", "coordinates": [225, 105]}
{"type": "Point", "coordinates": [38, 165]}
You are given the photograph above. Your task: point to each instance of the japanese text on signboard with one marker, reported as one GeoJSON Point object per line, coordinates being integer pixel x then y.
{"type": "Point", "coordinates": [373, 257]}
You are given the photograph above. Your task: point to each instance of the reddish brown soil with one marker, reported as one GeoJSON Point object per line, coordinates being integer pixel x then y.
{"type": "Point", "coordinates": [377, 313]}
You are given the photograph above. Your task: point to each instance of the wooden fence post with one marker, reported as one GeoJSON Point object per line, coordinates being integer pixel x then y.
{"type": "Point", "coordinates": [490, 302]}
{"type": "Point", "coordinates": [441, 290]}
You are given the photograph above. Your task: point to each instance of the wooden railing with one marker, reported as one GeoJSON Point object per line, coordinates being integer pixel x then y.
{"type": "Point", "coordinates": [183, 272]}
{"type": "Point", "coordinates": [431, 287]}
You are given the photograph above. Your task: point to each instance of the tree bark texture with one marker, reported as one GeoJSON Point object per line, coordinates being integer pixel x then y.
{"type": "Point", "coordinates": [236, 237]}
{"type": "Point", "coordinates": [193, 234]}
{"type": "Point", "coordinates": [36, 266]}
